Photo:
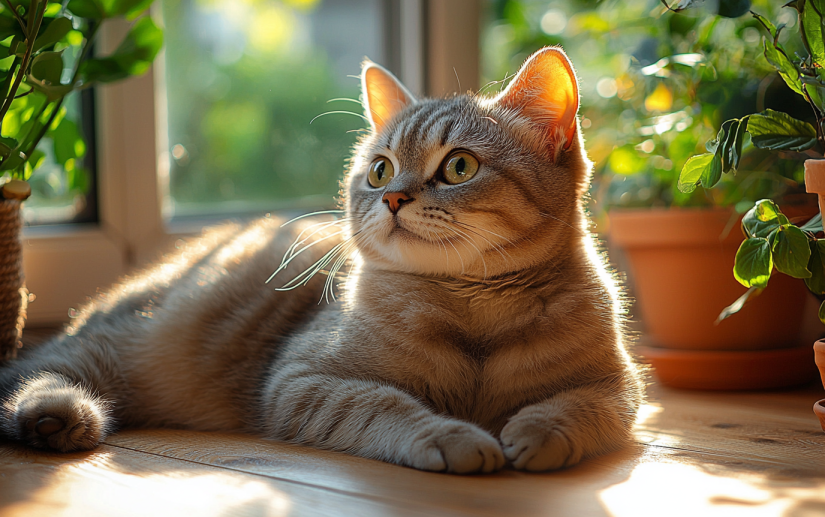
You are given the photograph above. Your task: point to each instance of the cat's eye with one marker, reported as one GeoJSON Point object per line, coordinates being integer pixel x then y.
{"type": "Point", "coordinates": [459, 167]}
{"type": "Point", "coordinates": [381, 172]}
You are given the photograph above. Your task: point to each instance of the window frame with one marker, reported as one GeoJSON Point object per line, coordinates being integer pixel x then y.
{"type": "Point", "coordinates": [65, 264]}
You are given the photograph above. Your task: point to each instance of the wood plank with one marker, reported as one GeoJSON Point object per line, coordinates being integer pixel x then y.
{"type": "Point", "coordinates": [708, 454]}
{"type": "Point", "coordinates": [771, 432]}
{"type": "Point", "coordinates": [116, 481]}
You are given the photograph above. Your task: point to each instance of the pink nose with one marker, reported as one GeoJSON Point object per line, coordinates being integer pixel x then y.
{"type": "Point", "coordinates": [394, 200]}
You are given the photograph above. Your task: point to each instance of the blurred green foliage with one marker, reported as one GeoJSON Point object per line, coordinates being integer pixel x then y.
{"type": "Point", "coordinates": [44, 57]}
{"type": "Point", "coordinates": [242, 93]}
{"type": "Point", "coordinates": [655, 86]}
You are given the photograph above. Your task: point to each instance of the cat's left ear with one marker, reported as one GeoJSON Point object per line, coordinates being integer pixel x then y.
{"type": "Point", "coordinates": [545, 90]}
{"type": "Point", "coordinates": [384, 95]}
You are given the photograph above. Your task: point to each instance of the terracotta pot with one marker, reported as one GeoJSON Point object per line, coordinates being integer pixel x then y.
{"type": "Point", "coordinates": [681, 264]}
{"type": "Point", "coordinates": [819, 358]}
{"type": "Point", "coordinates": [815, 184]}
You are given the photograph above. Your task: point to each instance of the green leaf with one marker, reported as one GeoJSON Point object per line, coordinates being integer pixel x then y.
{"type": "Point", "coordinates": [47, 67]}
{"type": "Point", "coordinates": [791, 252]}
{"type": "Point", "coordinates": [68, 142]}
{"type": "Point", "coordinates": [87, 9]}
{"type": "Point", "coordinates": [53, 33]}
{"type": "Point", "coordinates": [811, 30]}
{"type": "Point", "coordinates": [134, 56]}
{"type": "Point", "coordinates": [740, 302]}
{"type": "Point", "coordinates": [100, 9]}
{"type": "Point", "coordinates": [822, 312]}
{"type": "Point", "coordinates": [704, 168]}
{"type": "Point", "coordinates": [777, 57]}
{"type": "Point", "coordinates": [763, 220]}
{"type": "Point", "coordinates": [753, 264]}
{"type": "Point", "coordinates": [765, 23]}
{"type": "Point", "coordinates": [816, 265]}
{"type": "Point", "coordinates": [778, 131]}
{"type": "Point", "coordinates": [814, 225]}
{"type": "Point", "coordinates": [7, 144]}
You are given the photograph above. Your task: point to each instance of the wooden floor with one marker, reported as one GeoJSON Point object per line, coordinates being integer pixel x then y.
{"type": "Point", "coordinates": [696, 454]}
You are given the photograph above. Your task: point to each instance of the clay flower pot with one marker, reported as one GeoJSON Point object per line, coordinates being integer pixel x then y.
{"type": "Point", "coordinates": [13, 295]}
{"type": "Point", "coordinates": [815, 184]}
{"type": "Point", "coordinates": [819, 357]}
{"type": "Point", "coordinates": [680, 262]}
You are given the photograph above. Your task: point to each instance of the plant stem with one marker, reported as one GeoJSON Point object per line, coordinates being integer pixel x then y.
{"type": "Point", "coordinates": [16, 16]}
{"type": "Point", "coordinates": [25, 63]}
{"type": "Point", "coordinates": [59, 104]}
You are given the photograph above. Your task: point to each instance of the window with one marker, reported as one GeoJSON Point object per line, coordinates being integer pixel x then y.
{"type": "Point", "coordinates": [153, 139]}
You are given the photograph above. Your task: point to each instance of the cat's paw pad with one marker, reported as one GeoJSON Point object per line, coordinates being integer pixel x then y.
{"type": "Point", "coordinates": [536, 444]}
{"type": "Point", "coordinates": [456, 447]}
{"type": "Point", "coordinates": [52, 414]}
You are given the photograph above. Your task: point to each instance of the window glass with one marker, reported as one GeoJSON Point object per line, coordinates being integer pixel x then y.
{"type": "Point", "coordinates": [249, 84]}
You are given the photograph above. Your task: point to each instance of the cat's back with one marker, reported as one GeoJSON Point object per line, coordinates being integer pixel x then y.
{"type": "Point", "coordinates": [192, 336]}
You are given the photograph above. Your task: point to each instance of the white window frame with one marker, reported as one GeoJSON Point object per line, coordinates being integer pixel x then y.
{"type": "Point", "coordinates": [66, 264]}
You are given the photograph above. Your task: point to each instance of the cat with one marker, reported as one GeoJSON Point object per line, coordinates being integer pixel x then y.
{"type": "Point", "coordinates": [477, 326]}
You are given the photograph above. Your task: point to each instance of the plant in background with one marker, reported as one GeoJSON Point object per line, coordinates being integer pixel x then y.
{"type": "Point", "coordinates": [655, 87]}
{"type": "Point", "coordinates": [771, 239]}
{"type": "Point", "coordinates": [45, 55]}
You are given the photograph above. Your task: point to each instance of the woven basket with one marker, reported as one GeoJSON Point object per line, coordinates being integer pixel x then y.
{"type": "Point", "coordinates": [13, 294]}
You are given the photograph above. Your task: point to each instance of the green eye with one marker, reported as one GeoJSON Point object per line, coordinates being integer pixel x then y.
{"type": "Point", "coordinates": [381, 172]}
{"type": "Point", "coordinates": [460, 167]}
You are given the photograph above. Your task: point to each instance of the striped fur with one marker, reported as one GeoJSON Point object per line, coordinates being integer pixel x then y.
{"type": "Point", "coordinates": [475, 327]}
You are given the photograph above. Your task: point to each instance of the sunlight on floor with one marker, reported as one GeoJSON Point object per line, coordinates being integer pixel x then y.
{"type": "Point", "coordinates": [690, 491]}
{"type": "Point", "coordinates": [143, 494]}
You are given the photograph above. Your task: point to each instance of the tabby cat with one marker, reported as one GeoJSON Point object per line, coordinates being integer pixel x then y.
{"type": "Point", "coordinates": [477, 327]}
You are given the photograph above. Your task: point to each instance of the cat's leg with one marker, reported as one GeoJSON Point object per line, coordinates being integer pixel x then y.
{"type": "Point", "coordinates": [373, 420]}
{"type": "Point", "coordinates": [59, 397]}
{"type": "Point", "coordinates": [571, 425]}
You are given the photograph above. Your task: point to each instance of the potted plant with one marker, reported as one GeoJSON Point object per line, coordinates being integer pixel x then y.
{"type": "Point", "coordinates": [45, 55]}
{"type": "Point", "coordinates": [772, 240]}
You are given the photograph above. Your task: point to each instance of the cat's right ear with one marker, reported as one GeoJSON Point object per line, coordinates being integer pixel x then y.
{"type": "Point", "coordinates": [384, 95]}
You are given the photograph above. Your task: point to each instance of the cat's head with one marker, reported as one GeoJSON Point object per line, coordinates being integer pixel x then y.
{"type": "Point", "coordinates": [471, 185]}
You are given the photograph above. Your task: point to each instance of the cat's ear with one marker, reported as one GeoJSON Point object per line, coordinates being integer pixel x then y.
{"type": "Point", "coordinates": [384, 95]}
{"type": "Point", "coordinates": [547, 92]}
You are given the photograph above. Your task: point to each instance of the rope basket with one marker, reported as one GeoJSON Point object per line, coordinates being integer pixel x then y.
{"type": "Point", "coordinates": [13, 296]}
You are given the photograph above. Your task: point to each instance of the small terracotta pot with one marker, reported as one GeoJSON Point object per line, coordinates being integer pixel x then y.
{"type": "Point", "coordinates": [819, 358]}
{"type": "Point", "coordinates": [681, 263]}
{"type": "Point", "coordinates": [815, 184]}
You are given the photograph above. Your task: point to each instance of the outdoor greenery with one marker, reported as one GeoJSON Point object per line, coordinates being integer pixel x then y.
{"type": "Point", "coordinates": [44, 57]}
{"type": "Point", "coordinates": [245, 81]}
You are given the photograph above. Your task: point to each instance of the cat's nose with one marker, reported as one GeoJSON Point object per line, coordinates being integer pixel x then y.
{"type": "Point", "coordinates": [394, 200]}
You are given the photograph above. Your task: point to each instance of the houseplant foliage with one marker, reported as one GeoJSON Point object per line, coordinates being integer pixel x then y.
{"type": "Point", "coordinates": [45, 55]}
{"type": "Point", "coordinates": [772, 241]}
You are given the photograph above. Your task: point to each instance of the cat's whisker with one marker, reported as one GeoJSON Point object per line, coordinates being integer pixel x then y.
{"type": "Point", "coordinates": [320, 212]}
{"type": "Point", "coordinates": [291, 254]}
{"type": "Point", "coordinates": [356, 101]}
{"type": "Point", "coordinates": [470, 242]}
{"type": "Point", "coordinates": [340, 111]}
{"type": "Point", "coordinates": [550, 216]}
{"type": "Point", "coordinates": [500, 249]}
{"type": "Point", "coordinates": [315, 228]}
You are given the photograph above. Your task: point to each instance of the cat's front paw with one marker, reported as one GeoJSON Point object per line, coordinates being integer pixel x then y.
{"type": "Point", "coordinates": [51, 413]}
{"type": "Point", "coordinates": [534, 441]}
{"type": "Point", "coordinates": [458, 447]}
